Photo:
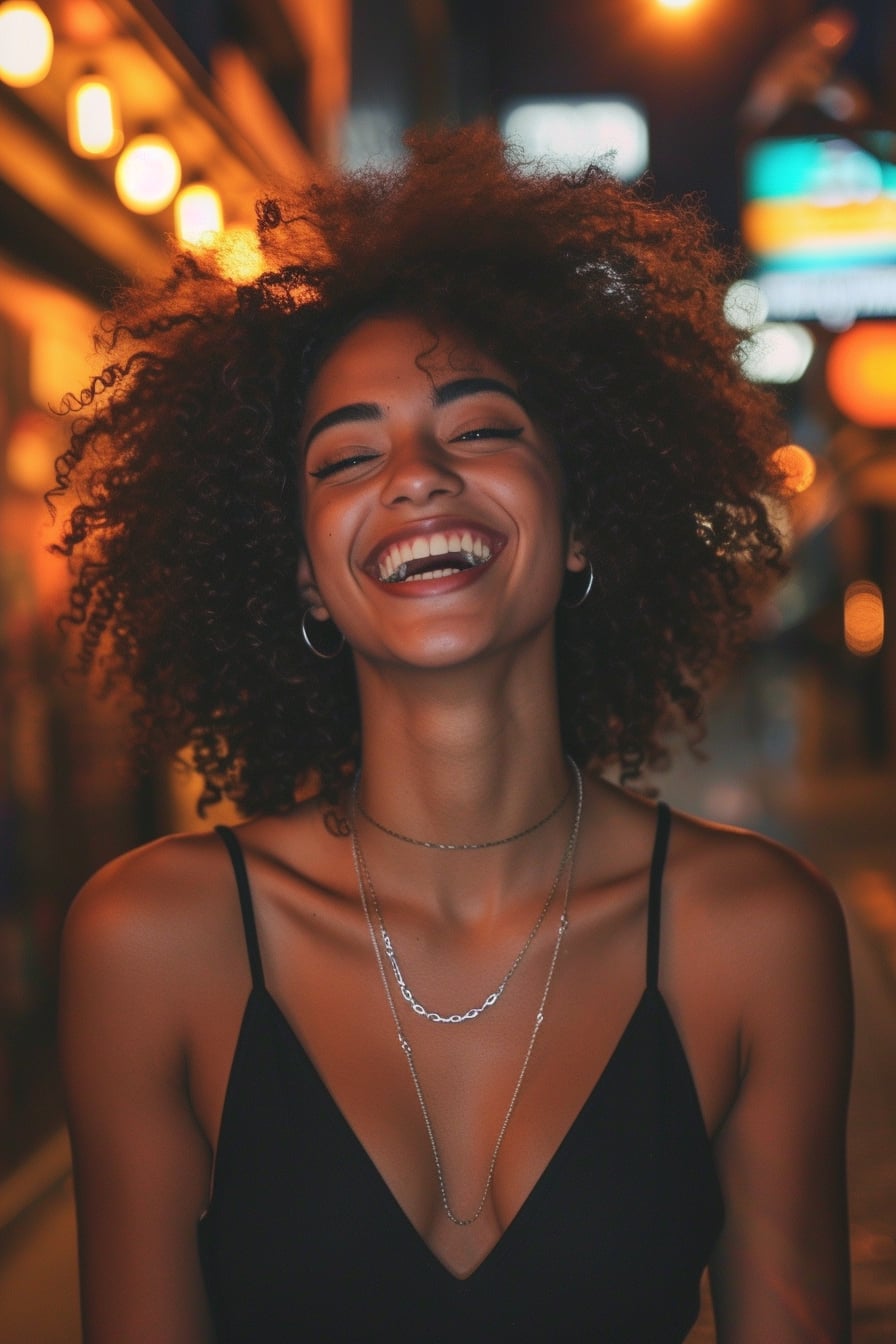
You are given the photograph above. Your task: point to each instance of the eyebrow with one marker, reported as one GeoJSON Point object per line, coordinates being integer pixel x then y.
{"type": "Point", "coordinates": [364, 412]}
{"type": "Point", "coordinates": [466, 387]}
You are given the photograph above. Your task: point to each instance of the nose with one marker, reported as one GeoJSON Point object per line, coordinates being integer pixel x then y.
{"type": "Point", "coordinates": [419, 470]}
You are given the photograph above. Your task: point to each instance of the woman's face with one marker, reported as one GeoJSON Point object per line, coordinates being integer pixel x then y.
{"type": "Point", "coordinates": [432, 502]}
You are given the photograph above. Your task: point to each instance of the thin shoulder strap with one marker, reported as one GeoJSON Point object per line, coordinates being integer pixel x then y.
{"type": "Point", "coordinates": [654, 900]}
{"type": "Point", "coordinates": [245, 895]}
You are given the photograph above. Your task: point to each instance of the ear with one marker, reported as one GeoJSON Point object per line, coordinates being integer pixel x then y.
{"type": "Point", "coordinates": [576, 559]}
{"type": "Point", "coordinates": [308, 590]}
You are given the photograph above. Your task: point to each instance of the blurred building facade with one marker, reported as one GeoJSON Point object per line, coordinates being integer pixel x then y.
{"type": "Point", "coordinates": [245, 96]}
{"type": "Point", "coordinates": [248, 93]}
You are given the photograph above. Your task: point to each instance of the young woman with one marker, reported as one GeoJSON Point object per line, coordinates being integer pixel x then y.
{"type": "Point", "coordinates": [465, 493]}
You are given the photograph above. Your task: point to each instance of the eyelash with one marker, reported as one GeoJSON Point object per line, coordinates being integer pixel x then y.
{"type": "Point", "coordinates": [490, 432]}
{"type": "Point", "coordinates": [470, 435]}
{"type": "Point", "coordinates": [341, 464]}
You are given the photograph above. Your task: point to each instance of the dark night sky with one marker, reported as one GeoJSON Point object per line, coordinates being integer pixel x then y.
{"type": "Point", "coordinates": [690, 72]}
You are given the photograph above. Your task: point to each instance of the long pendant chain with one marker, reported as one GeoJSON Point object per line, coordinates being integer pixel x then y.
{"type": "Point", "coordinates": [567, 862]}
{"type": "Point", "coordinates": [404, 988]}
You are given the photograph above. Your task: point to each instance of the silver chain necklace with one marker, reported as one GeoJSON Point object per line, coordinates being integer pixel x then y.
{"type": "Point", "coordinates": [436, 844]}
{"type": "Point", "coordinates": [404, 988]}
{"type": "Point", "coordinates": [568, 862]}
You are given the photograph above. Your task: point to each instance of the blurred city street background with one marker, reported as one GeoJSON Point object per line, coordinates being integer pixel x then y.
{"type": "Point", "coordinates": [127, 124]}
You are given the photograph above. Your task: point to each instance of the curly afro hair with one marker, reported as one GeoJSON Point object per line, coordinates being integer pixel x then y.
{"type": "Point", "coordinates": [607, 308]}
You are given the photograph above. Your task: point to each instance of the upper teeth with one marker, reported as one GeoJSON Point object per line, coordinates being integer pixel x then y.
{"type": "Point", "coordinates": [473, 550]}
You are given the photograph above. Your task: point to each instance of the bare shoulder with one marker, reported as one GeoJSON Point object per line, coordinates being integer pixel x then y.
{"type": "Point", "coordinates": [739, 880]}
{"type": "Point", "coordinates": [748, 879]}
{"type": "Point", "coordinates": [149, 910]}
{"type": "Point", "coordinates": [766, 913]}
{"type": "Point", "coordinates": [171, 906]}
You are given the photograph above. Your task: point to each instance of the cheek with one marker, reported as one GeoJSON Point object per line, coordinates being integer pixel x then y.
{"type": "Point", "coordinates": [329, 535]}
{"type": "Point", "coordinates": [536, 499]}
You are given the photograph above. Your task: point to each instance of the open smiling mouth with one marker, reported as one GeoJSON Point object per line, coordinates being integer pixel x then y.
{"type": "Point", "coordinates": [433, 557]}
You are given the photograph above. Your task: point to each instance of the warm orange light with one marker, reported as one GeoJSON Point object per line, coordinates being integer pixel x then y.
{"type": "Point", "coordinates": [86, 23]}
{"type": "Point", "coordinates": [861, 373]}
{"type": "Point", "coordinates": [94, 124]}
{"type": "Point", "coordinates": [57, 360]}
{"type": "Point", "coordinates": [863, 618]}
{"type": "Point", "coordinates": [26, 44]}
{"type": "Point", "coordinates": [147, 174]}
{"type": "Point", "coordinates": [833, 27]}
{"type": "Point", "coordinates": [797, 466]}
{"type": "Point", "coordinates": [31, 451]}
{"type": "Point", "coordinates": [676, 4]}
{"type": "Point", "coordinates": [238, 255]}
{"type": "Point", "coordinates": [198, 215]}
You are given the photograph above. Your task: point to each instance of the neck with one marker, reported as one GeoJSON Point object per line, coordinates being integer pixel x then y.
{"type": "Point", "coordinates": [461, 757]}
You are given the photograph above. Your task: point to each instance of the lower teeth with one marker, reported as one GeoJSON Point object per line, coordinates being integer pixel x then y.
{"type": "Point", "coordinates": [400, 575]}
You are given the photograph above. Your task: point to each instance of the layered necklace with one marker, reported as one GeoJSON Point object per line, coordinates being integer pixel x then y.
{"type": "Point", "coordinates": [388, 947]}
{"type": "Point", "coordinates": [365, 888]}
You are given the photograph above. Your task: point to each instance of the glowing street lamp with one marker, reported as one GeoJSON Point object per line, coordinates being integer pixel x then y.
{"type": "Point", "coordinates": [198, 215]}
{"type": "Point", "coordinates": [26, 43]}
{"type": "Point", "coordinates": [94, 124]}
{"type": "Point", "coordinates": [147, 174]}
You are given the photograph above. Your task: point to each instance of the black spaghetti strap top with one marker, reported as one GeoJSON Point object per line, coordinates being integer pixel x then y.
{"type": "Point", "coordinates": [303, 1240]}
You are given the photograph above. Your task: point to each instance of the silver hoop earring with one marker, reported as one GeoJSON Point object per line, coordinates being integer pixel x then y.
{"type": "Point", "coordinates": [321, 653]}
{"type": "Point", "coordinates": [570, 606]}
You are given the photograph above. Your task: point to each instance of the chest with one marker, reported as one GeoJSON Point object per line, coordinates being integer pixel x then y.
{"type": "Point", "coordinates": [613, 1233]}
{"type": "Point", "coordinates": [489, 1103]}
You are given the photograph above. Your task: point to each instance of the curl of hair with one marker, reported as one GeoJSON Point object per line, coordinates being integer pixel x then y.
{"type": "Point", "coordinates": [606, 307]}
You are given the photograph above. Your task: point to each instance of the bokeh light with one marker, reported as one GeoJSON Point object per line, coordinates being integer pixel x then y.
{"type": "Point", "coordinates": [863, 618]}
{"type": "Point", "coordinates": [745, 306]}
{"type": "Point", "coordinates": [861, 374]}
{"type": "Point", "coordinates": [833, 27]}
{"type": "Point", "coordinates": [94, 123]}
{"type": "Point", "coordinates": [797, 465]}
{"type": "Point", "coordinates": [31, 451]}
{"type": "Point", "coordinates": [238, 255]}
{"type": "Point", "coordinates": [574, 132]}
{"type": "Point", "coordinates": [147, 174]}
{"type": "Point", "coordinates": [198, 215]}
{"type": "Point", "coordinates": [26, 44]}
{"type": "Point", "coordinates": [777, 352]}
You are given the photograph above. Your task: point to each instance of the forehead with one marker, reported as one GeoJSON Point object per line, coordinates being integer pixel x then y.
{"type": "Point", "coordinates": [386, 356]}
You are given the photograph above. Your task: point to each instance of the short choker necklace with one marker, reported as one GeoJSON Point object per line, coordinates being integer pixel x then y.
{"type": "Point", "coordinates": [392, 957]}
{"type": "Point", "coordinates": [567, 862]}
{"type": "Point", "coordinates": [436, 844]}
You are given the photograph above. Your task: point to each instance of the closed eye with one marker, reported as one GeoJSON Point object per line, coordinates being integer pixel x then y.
{"type": "Point", "coordinates": [489, 432]}
{"type": "Point", "coordinates": [341, 464]}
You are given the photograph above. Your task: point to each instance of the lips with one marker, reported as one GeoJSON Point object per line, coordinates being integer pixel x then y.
{"type": "Point", "coordinates": [435, 548]}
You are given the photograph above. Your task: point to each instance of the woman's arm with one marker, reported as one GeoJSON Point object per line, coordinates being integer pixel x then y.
{"type": "Point", "coordinates": [780, 1274]}
{"type": "Point", "coordinates": [141, 1162]}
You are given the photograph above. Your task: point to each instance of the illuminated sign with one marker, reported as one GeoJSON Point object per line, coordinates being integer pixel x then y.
{"type": "Point", "coordinates": [569, 133]}
{"type": "Point", "coordinates": [819, 218]}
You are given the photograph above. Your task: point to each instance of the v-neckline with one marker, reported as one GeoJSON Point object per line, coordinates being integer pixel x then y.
{"type": "Point", "coordinates": [535, 1192]}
